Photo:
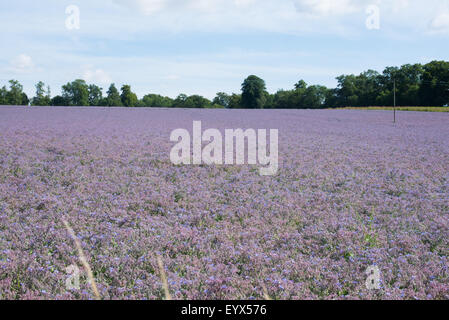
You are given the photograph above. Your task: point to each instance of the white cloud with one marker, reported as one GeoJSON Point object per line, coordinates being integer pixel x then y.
{"type": "Point", "coordinates": [342, 17]}
{"type": "Point", "coordinates": [149, 7]}
{"type": "Point", "coordinates": [97, 76]}
{"type": "Point", "coordinates": [22, 64]}
{"type": "Point", "coordinates": [145, 6]}
{"type": "Point", "coordinates": [441, 22]}
{"type": "Point", "coordinates": [116, 34]}
{"type": "Point", "coordinates": [320, 7]}
{"type": "Point", "coordinates": [399, 5]}
{"type": "Point", "coordinates": [326, 7]}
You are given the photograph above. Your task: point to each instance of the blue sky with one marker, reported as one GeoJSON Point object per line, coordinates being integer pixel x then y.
{"type": "Point", "coordinates": [206, 46]}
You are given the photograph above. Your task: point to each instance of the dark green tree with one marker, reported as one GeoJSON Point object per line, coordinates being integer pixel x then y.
{"type": "Point", "coordinates": [3, 96]}
{"type": "Point", "coordinates": [58, 101]}
{"type": "Point", "coordinates": [253, 93]}
{"type": "Point", "coordinates": [269, 100]}
{"type": "Point", "coordinates": [314, 97]}
{"type": "Point", "coordinates": [235, 101]}
{"type": "Point", "coordinates": [296, 97]}
{"type": "Point", "coordinates": [301, 85]}
{"type": "Point", "coordinates": [347, 91]}
{"type": "Point", "coordinates": [15, 95]}
{"type": "Point", "coordinates": [434, 90]}
{"type": "Point", "coordinates": [408, 82]}
{"type": "Point", "coordinates": [222, 99]}
{"type": "Point", "coordinates": [113, 98]}
{"type": "Point", "coordinates": [407, 79]}
{"type": "Point", "coordinates": [25, 100]}
{"type": "Point", "coordinates": [43, 95]}
{"type": "Point", "coordinates": [180, 101]}
{"type": "Point", "coordinates": [367, 88]}
{"type": "Point", "coordinates": [129, 98]}
{"type": "Point", "coordinates": [197, 101]}
{"type": "Point", "coordinates": [76, 93]}
{"type": "Point", "coordinates": [156, 101]}
{"type": "Point", "coordinates": [95, 95]}
{"type": "Point", "coordinates": [283, 99]}
{"type": "Point", "coordinates": [331, 100]}
{"type": "Point", "coordinates": [301, 97]}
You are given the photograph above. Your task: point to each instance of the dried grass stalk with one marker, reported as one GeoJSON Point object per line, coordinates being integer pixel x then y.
{"type": "Point", "coordinates": [83, 259]}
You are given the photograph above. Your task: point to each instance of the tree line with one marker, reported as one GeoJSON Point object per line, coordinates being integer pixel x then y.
{"type": "Point", "coordinates": [414, 84]}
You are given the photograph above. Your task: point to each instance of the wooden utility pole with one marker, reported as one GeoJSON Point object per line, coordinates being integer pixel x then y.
{"type": "Point", "coordinates": [394, 104]}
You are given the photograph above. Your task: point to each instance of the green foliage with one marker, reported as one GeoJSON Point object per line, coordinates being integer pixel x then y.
{"type": "Point", "coordinates": [180, 101]}
{"type": "Point", "coordinates": [3, 96]}
{"type": "Point", "coordinates": [300, 85]}
{"type": "Point", "coordinates": [95, 95]}
{"type": "Point", "coordinates": [129, 98]}
{"type": "Point", "coordinates": [434, 90]}
{"type": "Point", "coordinates": [282, 99]}
{"type": "Point", "coordinates": [24, 99]}
{"type": "Point", "coordinates": [15, 95]}
{"type": "Point", "coordinates": [215, 106]}
{"type": "Point", "coordinates": [314, 97]}
{"type": "Point", "coordinates": [76, 93]}
{"type": "Point", "coordinates": [156, 101]}
{"type": "Point", "coordinates": [222, 99]}
{"type": "Point", "coordinates": [235, 101]}
{"type": "Point", "coordinates": [301, 97]}
{"type": "Point", "coordinates": [195, 101]}
{"type": "Point", "coordinates": [43, 95]}
{"type": "Point", "coordinates": [58, 101]}
{"type": "Point", "coordinates": [113, 98]}
{"type": "Point", "coordinates": [253, 93]}
{"type": "Point", "coordinates": [416, 85]}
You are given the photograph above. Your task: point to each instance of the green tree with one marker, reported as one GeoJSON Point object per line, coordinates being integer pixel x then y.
{"type": "Point", "coordinates": [197, 101]}
{"type": "Point", "coordinates": [42, 97]}
{"type": "Point", "coordinates": [434, 90]}
{"type": "Point", "coordinates": [76, 93]}
{"type": "Point", "coordinates": [48, 95]}
{"type": "Point", "coordinates": [407, 79]}
{"type": "Point", "coordinates": [15, 94]}
{"type": "Point", "coordinates": [385, 96]}
{"type": "Point", "coordinates": [95, 95]}
{"type": "Point", "coordinates": [24, 100]}
{"type": "Point", "coordinates": [269, 101]}
{"type": "Point", "coordinates": [129, 99]}
{"type": "Point", "coordinates": [3, 96]}
{"type": "Point", "coordinates": [301, 85]}
{"type": "Point", "coordinates": [253, 93]}
{"type": "Point", "coordinates": [301, 97]}
{"type": "Point", "coordinates": [296, 97]}
{"type": "Point", "coordinates": [58, 101]}
{"type": "Point", "coordinates": [180, 101]}
{"type": "Point", "coordinates": [113, 98]}
{"type": "Point", "coordinates": [314, 97]}
{"type": "Point", "coordinates": [367, 88]}
{"type": "Point", "coordinates": [347, 91]}
{"type": "Point", "coordinates": [408, 82]}
{"type": "Point", "coordinates": [222, 99]}
{"type": "Point", "coordinates": [156, 101]}
{"type": "Point", "coordinates": [331, 100]}
{"type": "Point", "coordinates": [235, 101]}
{"type": "Point", "coordinates": [283, 99]}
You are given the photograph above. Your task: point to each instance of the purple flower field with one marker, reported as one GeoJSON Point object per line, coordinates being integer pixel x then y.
{"type": "Point", "coordinates": [353, 190]}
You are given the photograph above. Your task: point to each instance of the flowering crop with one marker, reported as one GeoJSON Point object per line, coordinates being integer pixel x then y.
{"type": "Point", "coordinates": [353, 190]}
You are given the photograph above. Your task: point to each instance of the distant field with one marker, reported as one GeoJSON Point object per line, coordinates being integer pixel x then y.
{"type": "Point", "coordinates": [353, 190]}
{"type": "Point", "coordinates": [422, 109]}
